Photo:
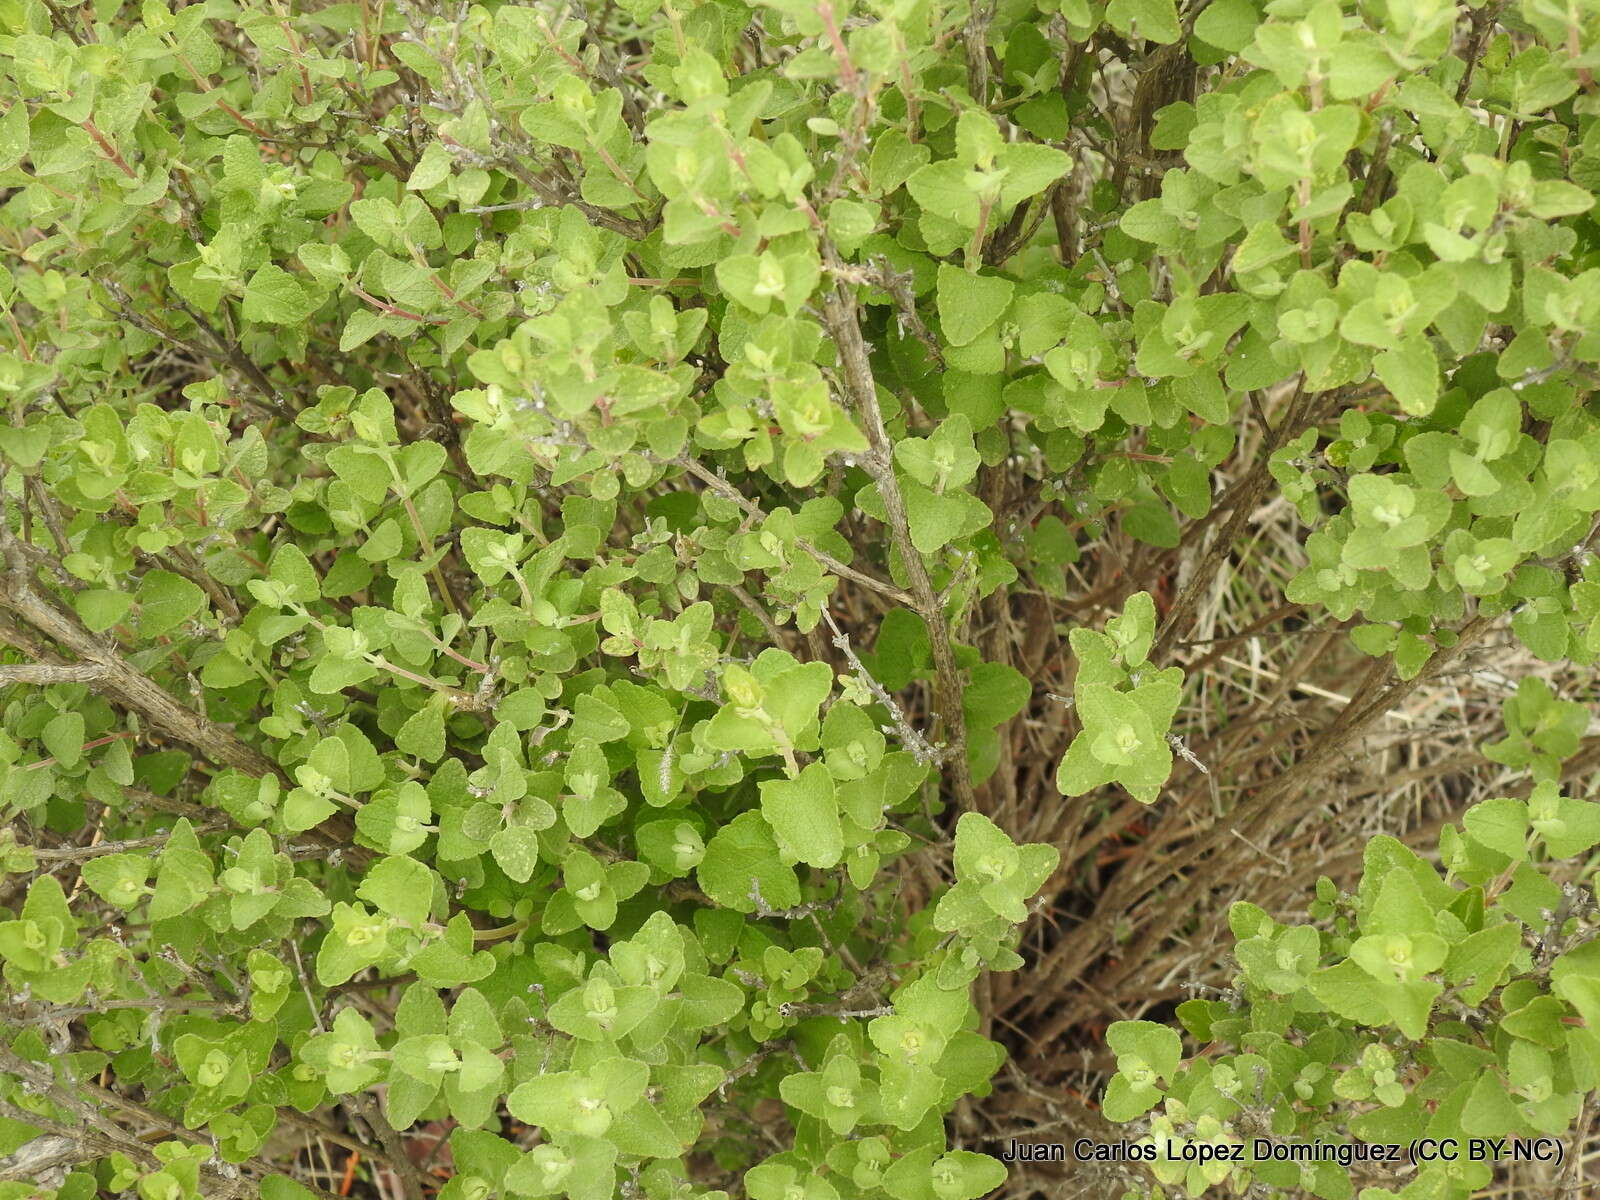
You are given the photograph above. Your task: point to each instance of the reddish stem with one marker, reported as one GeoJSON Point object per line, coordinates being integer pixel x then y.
{"type": "Point", "coordinates": [847, 69]}
{"type": "Point", "coordinates": [392, 310]}
{"type": "Point", "coordinates": [107, 148]}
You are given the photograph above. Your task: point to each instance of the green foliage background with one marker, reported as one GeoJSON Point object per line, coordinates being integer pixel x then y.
{"type": "Point", "coordinates": [530, 534]}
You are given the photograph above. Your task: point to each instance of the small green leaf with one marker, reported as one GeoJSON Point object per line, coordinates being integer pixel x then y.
{"type": "Point", "coordinates": [63, 737]}
{"type": "Point", "coordinates": [804, 816]}
{"type": "Point", "coordinates": [743, 860]}
{"type": "Point", "coordinates": [1411, 372]}
{"type": "Point", "coordinates": [273, 296]}
{"type": "Point", "coordinates": [166, 601]}
{"type": "Point", "coordinates": [1154, 20]}
{"type": "Point", "coordinates": [970, 303]}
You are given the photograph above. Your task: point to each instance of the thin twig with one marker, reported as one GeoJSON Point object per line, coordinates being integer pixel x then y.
{"type": "Point", "coordinates": [912, 739]}
{"type": "Point", "coordinates": [843, 321]}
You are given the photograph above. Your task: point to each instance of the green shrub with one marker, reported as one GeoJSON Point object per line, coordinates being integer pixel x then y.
{"type": "Point", "coordinates": [512, 523]}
